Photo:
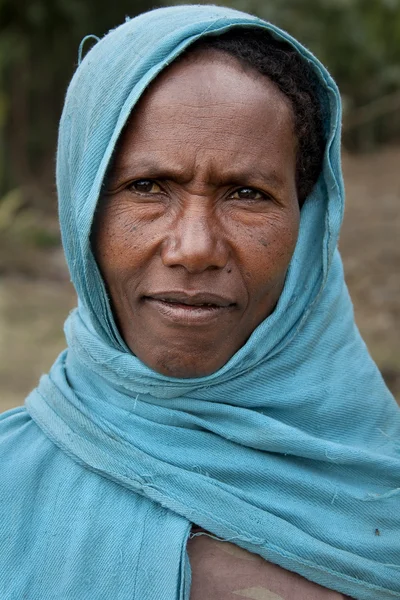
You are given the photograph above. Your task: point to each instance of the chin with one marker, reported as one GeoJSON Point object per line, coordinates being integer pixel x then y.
{"type": "Point", "coordinates": [180, 368]}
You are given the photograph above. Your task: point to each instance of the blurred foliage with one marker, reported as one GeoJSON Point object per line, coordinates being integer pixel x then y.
{"type": "Point", "coordinates": [359, 41]}
{"type": "Point", "coordinates": [39, 42]}
{"type": "Point", "coordinates": [27, 232]}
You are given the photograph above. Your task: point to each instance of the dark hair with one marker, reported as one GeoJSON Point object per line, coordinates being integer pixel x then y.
{"type": "Point", "coordinates": [295, 78]}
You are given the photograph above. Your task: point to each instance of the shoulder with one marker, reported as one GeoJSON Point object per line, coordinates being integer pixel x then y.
{"type": "Point", "coordinates": [18, 432]}
{"type": "Point", "coordinates": [25, 454]}
{"type": "Point", "coordinates": [15, 426]}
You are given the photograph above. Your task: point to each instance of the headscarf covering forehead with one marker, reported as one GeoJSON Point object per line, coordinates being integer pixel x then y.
{"type": "Point", "coordinates": [100, 98]}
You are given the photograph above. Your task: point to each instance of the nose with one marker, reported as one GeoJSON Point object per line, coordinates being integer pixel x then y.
{"type": "Point", "coordinates": [196, 240]}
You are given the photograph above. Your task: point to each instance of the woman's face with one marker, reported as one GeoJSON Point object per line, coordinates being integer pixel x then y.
{"type": "Point", "coordinates": [200, 219]}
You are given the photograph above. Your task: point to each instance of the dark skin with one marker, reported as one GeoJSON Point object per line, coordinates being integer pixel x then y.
{"type": "Point", "coordinates": [201, 215]}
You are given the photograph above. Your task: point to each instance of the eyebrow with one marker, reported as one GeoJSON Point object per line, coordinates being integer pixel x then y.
{"type": "Point", "coordinates": [235, 176]}
{"type": "Point", "coordinates": [270, 178]}
{"type": "Point", "coordinates": [148, 168]}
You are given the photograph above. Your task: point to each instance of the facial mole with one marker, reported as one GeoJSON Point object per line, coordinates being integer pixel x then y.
{"type": "Point", "coordinates": [264, 242]}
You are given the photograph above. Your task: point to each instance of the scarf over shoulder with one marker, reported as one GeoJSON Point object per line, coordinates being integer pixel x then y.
{"type": "Point", "coordinates": [291, 450]}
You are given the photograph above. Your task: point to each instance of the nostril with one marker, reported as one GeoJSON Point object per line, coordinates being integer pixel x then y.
{"type": "Point", "coordinates": [195, 247]}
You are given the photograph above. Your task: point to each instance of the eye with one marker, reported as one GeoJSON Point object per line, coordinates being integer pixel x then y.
{"type": "Point", "coordinates": [145, 186]}
{"type": "Point", "coordinates": [248, 193]}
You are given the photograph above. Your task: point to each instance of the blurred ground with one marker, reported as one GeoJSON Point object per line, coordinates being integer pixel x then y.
{"type": "Point", "coordinates": [370, 247]}
{"type": "Point", "coordinates": [35, 295]}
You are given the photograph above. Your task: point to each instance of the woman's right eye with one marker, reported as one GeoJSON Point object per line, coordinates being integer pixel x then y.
{"type": "Point", "coordinates": [145, 186]}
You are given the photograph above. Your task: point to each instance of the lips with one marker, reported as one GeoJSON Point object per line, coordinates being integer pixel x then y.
{"type": "Point", "coordinates": [184, 309]}
{"type": "Point", "coordinates": [200, 299]}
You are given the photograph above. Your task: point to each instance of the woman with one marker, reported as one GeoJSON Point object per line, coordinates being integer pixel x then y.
{"type": "Point", "coordinates": [216, 414]}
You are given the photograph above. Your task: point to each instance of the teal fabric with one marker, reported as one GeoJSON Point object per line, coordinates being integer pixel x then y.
{"type": "Point", "coordinates": [291, 450]}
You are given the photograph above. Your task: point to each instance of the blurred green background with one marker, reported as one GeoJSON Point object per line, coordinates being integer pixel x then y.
{"type": "Point", "coordinates": [358, 40]}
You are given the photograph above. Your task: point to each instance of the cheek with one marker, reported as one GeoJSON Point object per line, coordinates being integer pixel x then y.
{"type": "Point", "coordinates": [118, 244]}
{"type": "Point", "coordinates": [269, 253]}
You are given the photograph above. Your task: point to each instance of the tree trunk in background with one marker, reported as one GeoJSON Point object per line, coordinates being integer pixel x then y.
{"type": "Point", "coordinates": [19, 170]}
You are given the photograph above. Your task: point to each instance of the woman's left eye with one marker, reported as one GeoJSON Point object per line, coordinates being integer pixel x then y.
{"type": "Point", "coordinates": [145, 186]}
{"type": "Point", "coordinates": [247, 193]}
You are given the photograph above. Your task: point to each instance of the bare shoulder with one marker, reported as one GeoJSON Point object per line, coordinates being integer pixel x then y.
{"type": "Point", "coordinates": [221, 570]}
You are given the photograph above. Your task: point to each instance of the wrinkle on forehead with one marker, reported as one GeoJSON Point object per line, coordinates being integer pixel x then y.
{"type": "Point", "coordinates": [241, 169]}
{"type": "Point", "coordinates": [178, 97]}
{"type": "Point", "coordinates": [209, 127]}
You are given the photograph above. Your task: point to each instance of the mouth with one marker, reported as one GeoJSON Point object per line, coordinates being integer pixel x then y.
{"type": "Point", "coordinates": [199, 299]}
{"type": "Point", "coordinates": [185, 308]}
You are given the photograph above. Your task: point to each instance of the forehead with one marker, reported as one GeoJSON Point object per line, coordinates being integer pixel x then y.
{"type": "Point", "coordinates": [209, 102]}
{"type": "Point", "coordinates": [203, 78]}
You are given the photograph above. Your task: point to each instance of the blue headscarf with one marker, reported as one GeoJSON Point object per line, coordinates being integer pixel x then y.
{"type": "Point", "coordinates": [291, 450]}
